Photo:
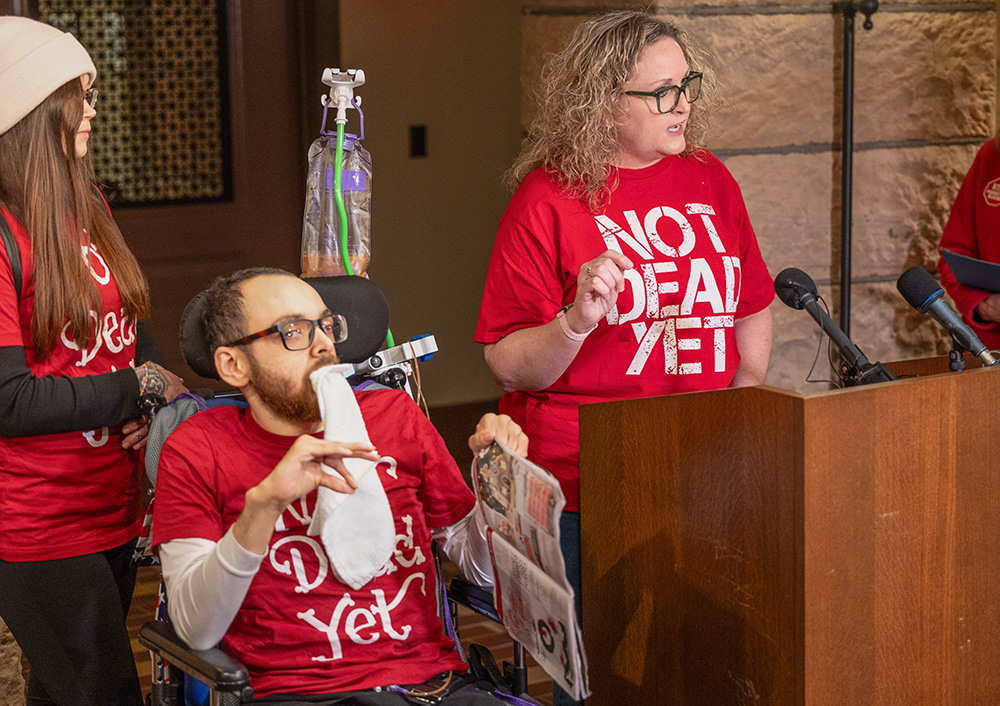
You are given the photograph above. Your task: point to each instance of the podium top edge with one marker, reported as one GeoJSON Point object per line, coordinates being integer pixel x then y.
{"type": "Point", "coordinates": [937, 378]}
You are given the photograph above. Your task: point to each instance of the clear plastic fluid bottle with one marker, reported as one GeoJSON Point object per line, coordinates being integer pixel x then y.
{"type": "Point", "coordinates": [321, 251]}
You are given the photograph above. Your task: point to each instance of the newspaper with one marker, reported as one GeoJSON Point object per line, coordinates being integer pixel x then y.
{"type": "Point", "coordinates": [522, 503]}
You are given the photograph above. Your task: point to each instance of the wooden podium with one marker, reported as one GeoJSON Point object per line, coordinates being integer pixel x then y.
{"type": "Point", "coordinates": [761, 546]}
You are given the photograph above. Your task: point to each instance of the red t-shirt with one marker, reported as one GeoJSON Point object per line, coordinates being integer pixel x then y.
{"type": "Point", "coordinates": [683, 223]}
{"type": "Point", "coordinates": [66, 494]}
{"type": "Point", "coordinates": [299, 630]}
{"type": "Point", "coordinates": [972, 230]}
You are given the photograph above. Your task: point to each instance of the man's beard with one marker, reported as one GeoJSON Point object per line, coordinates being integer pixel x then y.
{"type": "Point", "coordinates": [296, 404]}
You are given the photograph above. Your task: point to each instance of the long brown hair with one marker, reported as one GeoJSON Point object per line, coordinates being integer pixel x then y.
{"type": "Point", "coordinates": [47, 188]}
{"type": "Point", "coordinates": [575, 133]}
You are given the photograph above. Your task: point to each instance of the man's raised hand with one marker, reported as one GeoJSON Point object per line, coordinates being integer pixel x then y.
{"type": "Point", "coordinates": [300, 470]}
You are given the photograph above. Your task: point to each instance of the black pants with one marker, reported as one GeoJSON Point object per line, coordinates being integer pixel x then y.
{"type": "Point", "coordinates": [463, 691]}
{"type": "Point", "coordinates": [68, 616]}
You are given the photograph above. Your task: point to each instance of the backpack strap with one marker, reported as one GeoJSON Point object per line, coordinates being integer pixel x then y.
{"type": "Point", "coordinates": [13, 253]}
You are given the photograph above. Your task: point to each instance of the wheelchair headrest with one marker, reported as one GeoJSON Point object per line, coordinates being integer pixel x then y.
{"type": "Point", "coordinates": [359, 300]}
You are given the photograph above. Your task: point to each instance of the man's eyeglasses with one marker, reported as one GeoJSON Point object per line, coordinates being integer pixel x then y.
{"type": "Point", "coordinates": [90, 95]}
{"type": "Point", "coordinates": [299, 334]}
{"type": "Point", "coordinates": [668, 97]}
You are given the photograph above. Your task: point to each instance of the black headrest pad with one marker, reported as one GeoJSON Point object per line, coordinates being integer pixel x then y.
{"type": "Point", "coordinates": [194, 342]}
{"type": "Point", "coordinates": [357, 299]}
{"type": "Point", "coordinates": [362, 303]}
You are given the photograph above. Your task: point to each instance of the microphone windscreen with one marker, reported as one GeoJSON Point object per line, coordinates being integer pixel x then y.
{"type": "Point", "coordinates": [791, 283]}
{"type": "Point", "coordinates": [918, 287]}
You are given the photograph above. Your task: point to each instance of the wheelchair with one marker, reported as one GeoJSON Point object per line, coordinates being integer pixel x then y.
{"type": "Point", "coordinates": [365, 307]}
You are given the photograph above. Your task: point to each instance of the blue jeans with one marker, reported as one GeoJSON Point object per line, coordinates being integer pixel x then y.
{"type": "Point", "coordinates": [569, 541]}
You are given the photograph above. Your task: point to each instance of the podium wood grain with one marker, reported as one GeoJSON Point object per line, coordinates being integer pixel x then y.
{"type": "Point", "coordinates": [760, 546]}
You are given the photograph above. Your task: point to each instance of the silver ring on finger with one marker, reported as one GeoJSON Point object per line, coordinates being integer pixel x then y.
{"type": "Point", "coordinates": [588, 272]}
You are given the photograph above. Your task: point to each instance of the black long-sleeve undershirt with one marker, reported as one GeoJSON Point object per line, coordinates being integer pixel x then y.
{"type": "Point", "coordinates": [31, 405]}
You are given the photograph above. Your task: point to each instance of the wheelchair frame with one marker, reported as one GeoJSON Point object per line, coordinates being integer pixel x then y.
{"type": "Point", "coordinates": [226, 676]}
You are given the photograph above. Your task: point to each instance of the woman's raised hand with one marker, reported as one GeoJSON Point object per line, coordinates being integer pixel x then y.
{"type": "Point", "coordinates": [598, 285]}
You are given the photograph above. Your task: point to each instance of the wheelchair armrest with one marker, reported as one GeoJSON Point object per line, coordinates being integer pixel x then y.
{"type": "Point", "coordinates": [476, 599]}
{"type": "Point", "coordinates": [214, 667]}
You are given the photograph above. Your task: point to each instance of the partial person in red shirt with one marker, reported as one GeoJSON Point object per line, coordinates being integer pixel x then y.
{"type": "Point", "coordinates": [70, 424]}
{"type": "Point", "coordinates": [973, 229]}
{"type": "Point", "coordinates": [236, 492]}
{"type": "Point", "coordinates": [625, 265]}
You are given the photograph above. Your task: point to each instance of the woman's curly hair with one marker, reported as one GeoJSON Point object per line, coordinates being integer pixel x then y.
{"type": "Point", "coordinates": [575, 133]}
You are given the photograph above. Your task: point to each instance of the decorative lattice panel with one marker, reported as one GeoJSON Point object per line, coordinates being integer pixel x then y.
{"type": "Point", "coordinates": [162, 129]}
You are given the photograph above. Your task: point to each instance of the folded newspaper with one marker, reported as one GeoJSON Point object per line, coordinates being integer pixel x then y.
{"type": "Point", "coordinates": [522, 503]}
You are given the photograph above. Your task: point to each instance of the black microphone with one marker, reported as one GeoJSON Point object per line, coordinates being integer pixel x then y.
{"type": "Point", "coordinates": [923, 293]}
{"type": "Point", "coordinates": [796, 289]}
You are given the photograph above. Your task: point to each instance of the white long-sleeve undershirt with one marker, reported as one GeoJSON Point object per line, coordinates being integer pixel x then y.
{"type": "Point", "coordinates": [207, 581]}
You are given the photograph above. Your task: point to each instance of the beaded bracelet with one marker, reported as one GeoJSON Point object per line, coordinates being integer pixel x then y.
{"type": "Point", "coordinates": [145, 380]}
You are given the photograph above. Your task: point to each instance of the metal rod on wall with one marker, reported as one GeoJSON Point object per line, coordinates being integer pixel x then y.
{"type": "Point", "coordinates": [849, 9]}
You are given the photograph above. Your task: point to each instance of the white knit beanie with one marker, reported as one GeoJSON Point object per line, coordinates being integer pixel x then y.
{"type": "Point", "coordinates": [35, 60]}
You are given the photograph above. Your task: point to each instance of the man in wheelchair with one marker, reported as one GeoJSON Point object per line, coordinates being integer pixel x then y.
{"type": "Point", "coordinates": [235, 496]}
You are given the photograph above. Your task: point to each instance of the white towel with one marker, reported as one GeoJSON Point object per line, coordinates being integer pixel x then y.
{"type": "Point", "coordinates": [357, 530]}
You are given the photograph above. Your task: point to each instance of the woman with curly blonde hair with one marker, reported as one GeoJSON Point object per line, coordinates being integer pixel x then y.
{"type": "Point", "coordinates": [574, 135]}
{"type": "Point", "coordinates": [625, 264]}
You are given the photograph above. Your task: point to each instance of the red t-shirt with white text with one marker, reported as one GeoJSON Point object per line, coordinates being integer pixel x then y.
{"type": "Point", "coordinates": [698, 269]}
{"type": "Point", "coordinates": [973, 229]}
{"type": "Point", "coordinates": [73, 493]}
{"type": "Point", "coordinates": [299, 630]}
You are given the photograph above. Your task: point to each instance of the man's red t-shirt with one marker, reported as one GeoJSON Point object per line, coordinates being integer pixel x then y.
{"type": "Point", "coordinates": [299, 630]}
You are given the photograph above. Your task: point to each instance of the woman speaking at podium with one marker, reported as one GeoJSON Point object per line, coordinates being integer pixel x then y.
{"type": "Point", "coordinates": [625, 265]}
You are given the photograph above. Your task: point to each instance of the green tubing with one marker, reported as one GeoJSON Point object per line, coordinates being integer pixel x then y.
{"type": "Point", "coordinates": [339, 196]}
{"type": "Point", "coordinates": [342, 212]}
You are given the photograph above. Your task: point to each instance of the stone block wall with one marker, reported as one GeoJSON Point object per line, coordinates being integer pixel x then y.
{"type": "Point", "coordinates": [11, 679]}
{"type": "Point", "coordinates": [925, 100]}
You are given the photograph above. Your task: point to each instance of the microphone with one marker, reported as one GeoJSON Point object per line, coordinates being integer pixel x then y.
{"type": "Point", "coordinates": [796, 289]}
{"type": "Point", "coordinates": [923, 293]}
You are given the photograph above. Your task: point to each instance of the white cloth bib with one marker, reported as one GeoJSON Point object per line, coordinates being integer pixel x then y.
{"type": "Point", "coordinates": [357, 531]}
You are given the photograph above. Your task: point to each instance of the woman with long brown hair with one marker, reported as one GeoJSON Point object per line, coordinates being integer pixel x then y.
{"type": "Point", "coordinates": [71, 294]}
{"type": "Point", "coordinates": [625, 264]}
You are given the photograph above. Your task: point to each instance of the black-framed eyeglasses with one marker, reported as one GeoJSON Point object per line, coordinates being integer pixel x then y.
{"type": "Point", "coordinates": [668, 97]}
{"type": "Point", "coordinates": [299, 334]}
{"type": "Point", "coordinates": [90, 95]}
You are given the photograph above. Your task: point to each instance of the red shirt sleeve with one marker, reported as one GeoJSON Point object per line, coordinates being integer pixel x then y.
{"type": "Point", "coordinates": [756, 283]}
{"type": "Point", "coordinates": [397, 426]}
{"type": "Point", "coordinates": [444, 494]}
{"type": "Point", "coordinates": [524, 286]}
{"type": "Point", "coordinates": [964, 231]}
{"type": "Point", "coordinates": [10, 309]}
{"type": "Point", "coordinates": [185, 505]}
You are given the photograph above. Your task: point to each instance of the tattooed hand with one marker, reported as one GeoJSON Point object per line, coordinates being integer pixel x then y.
{"type": "Point", "coordinates": [135, 434]}
{"type": "Point", "coordinates": [160, 381]}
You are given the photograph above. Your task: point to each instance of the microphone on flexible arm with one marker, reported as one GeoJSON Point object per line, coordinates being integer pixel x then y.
{"type": "Point", "coordinates": [923, 293]}
{"type": "Point", "coordinates": [796, 289]}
